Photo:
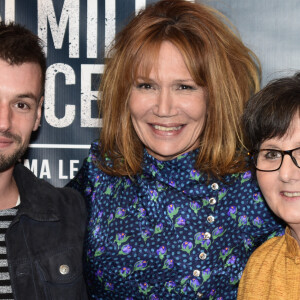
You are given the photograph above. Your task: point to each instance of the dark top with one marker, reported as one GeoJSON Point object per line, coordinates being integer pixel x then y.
{"type": "Point", "coordinates": [168, 233]}
{"type": "Point", "coordinates": [44, 241]}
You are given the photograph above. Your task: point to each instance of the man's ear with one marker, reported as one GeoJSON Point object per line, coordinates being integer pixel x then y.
{"type": "Point", "coordinates": [38, 114]}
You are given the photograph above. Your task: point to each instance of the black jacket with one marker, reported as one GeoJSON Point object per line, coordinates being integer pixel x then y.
{"type": "Point", "coordinates": [45, 240]}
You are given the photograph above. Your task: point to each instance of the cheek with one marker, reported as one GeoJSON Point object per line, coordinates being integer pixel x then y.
{"type": "Point", "coordinates": [266, 182]}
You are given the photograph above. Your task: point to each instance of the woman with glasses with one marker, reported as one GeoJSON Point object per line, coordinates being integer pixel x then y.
{"type": "Point", "coordinates": [272, 122]}
{"type": "Point", "coordinates": [173, 211]}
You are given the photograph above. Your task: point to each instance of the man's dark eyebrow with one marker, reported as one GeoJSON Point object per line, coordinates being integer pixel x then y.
{"type": "Point", "coordinates": [28, 95]}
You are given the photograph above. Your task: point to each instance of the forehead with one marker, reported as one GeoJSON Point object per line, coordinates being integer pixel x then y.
{"type": "Point", "coordinates": [23, 78]}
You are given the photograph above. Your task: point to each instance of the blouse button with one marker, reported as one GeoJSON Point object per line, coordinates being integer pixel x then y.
{"type": "Point", "coordinates": [196, 273]}
{"type": "Point", "coordinates": [202, 255]}
{"type": "Point", "coordinates": [207, 235]}
{"type": "Point", "coordinates": [64, 269]}
{"type": "Point", "coordinates": [212, 201]}
{"type": "Point", "coordinates": [199, 295]}
{"type": "Point", "coordinates": [214, 186]}
{"type": "Point", "coordinates": [210, 219]}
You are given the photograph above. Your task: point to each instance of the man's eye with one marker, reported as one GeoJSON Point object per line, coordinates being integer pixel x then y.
{"type": "Point", "coordinates": [22, 105]}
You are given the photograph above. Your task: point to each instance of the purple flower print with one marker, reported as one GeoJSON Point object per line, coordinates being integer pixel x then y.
{"type": "Point", "coordinates": [232, 212]}
{"type": "Point", "coordinates": [172, 210]}
{"type": "Point", "coordinates": [225, 252]}
{"type": "Point", "coordinates": [120, 213]}
{"type": "Point", "coordinates": [172, 183]}
{"type": "Point", "coordinates": [142, 212]}
{"type": "Point", "coordinates": [217, 232]}
{"type": "Point", "coordinates": [96, 230]}
{"type": "Point", "coordinates": [195, 175]}
{"type": "Point", "coordinates": [153, 195]}
{"type": "Point", "coordinates": [179, 222]}
{"type": "Point", "coordinates": [109, 189]}
{"type": "Point", "coordinates": [153, 297]}
{"type": "Point", "coordinates": [195, 284]}
{"type": "Point", "coordinates": [248, 243]}
{"type": "Point", "coordinates": [168, 264]}
{"type": "Point", "coordinates": [206, 243]}
{"type": "Point", "coordinates": [124, 272]}
{"type": "Point", "coordinates": [99, 251]}
{"type": "Point", "coordinates": [199, 237]}
{"type": "Point", "coordinates": [258, 222]}
{"type": "Point", "coordinates": [246, 176]}
{"type": "Point", "coordinates": [159, 228]}
{"type": "Point", "coordinates": [170, 285]}
{"type": "Point", "coordinates": [212, 292]}
{"type": "Point", "coordinates": [243, 221]}
{"type": "Point", "coordinates": [222, 193]}
{"type": "Point", "coordinates": [206, 274]}
{"type": "Point", "coordinates": [125, 250]}
{"type": "Point", "coordinates": [110, 218]}
{"type": "Point", "coordinates": [195, 206]}
{"type": "Point", "coordinates": [144, 288]}
{"type": "Point", "coordinates": [121, 238]}
{"type": "Point", "coordinates": [257, 197]}
{"type": "Point", "coordinates": [187, 247]}
{"type": "Point", "coordinates": [159, 187]}
{"type": "Point", "coordinates": [140, 265]}
{"type": "Point", "coordinates": [146, 234]}
{"type": "Point", "coordinates": [153, 170]}
{"type": "Point", "coordinates": [184, 280]}
{"type": "Point", "coordinates": [161, 251]}
{"type": "Point", "coordinates": [109, 286]}
{"type": "Point", "coordinates": [231, 261]}
{"type": "Point", "coordinates": [99, 274]}
{"type": "Point", "coordinates": [135, 201]}
{"type": "Point", "coordinates": [128, 183]}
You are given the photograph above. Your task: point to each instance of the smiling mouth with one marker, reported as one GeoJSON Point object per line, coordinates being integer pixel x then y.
{"type": "Point", "coordinates": [291, 194]}
{"type": "Point", "coordinates": [163, 128]}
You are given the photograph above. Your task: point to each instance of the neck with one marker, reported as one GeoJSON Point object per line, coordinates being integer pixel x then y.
{"type": "Point", "coordinates": [8, 189]}
{"type": "Point", "coordinates": [295, 232]}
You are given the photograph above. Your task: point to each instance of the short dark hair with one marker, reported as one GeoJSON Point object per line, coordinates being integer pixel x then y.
{"type": "Point", "coordinates": [19, 45]}
{"type": "Point", "coordinates": [268, 113]}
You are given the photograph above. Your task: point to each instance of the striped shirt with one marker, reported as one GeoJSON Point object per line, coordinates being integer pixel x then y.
{"type": "Point", "coordinates": [6, 217]}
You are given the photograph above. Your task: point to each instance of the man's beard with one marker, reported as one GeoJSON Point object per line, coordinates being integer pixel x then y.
{"type": "Point", "coordinates": [7, 161]}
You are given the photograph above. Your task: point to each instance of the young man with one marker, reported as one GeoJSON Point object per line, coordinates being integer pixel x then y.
{"type": "Point", "coordinates": [41, 227]}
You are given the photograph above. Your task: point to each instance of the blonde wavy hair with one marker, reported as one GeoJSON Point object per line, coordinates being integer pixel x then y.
{"type": "Point", "coordinates": [216, 59]}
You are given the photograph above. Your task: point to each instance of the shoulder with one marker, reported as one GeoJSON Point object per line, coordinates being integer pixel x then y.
{"type": "Point", "coordinates": [90, 176]}
{"type": "Point", "coordinates": [39, 195]}
{"type": "Point", "coordinates": [260, 267]}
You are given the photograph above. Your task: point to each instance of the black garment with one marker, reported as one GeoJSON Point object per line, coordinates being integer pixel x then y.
{"type": "Point", "coordinates": [44, 241]}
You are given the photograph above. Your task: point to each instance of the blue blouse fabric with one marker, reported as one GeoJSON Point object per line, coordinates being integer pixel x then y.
{"type": "Point", "coordinates": [168, 233]}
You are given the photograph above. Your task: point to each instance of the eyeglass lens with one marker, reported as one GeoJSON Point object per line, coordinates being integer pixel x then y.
{"type": "Point", "coordinates": [271, 160]}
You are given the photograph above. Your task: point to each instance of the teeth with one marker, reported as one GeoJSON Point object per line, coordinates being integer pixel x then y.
{"type": "Point", "coordinates": [162, 128]}
{"type": "Point", "coordinates": [290, 194]}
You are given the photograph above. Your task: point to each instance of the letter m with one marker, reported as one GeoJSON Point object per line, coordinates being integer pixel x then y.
{"type": "Point", "coordinates": [70, 12]}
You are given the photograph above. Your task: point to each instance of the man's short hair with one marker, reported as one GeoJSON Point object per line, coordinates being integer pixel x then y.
{"type": "Point", "coordinates": [19, 45]}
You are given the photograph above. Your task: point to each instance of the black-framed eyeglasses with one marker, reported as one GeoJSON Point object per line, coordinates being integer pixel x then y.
{"type": "Point", "coordinates": [269, 160]}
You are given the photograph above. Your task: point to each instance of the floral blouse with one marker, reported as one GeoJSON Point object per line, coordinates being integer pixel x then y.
{"type": "Point", "coordinates": [169, 233]}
